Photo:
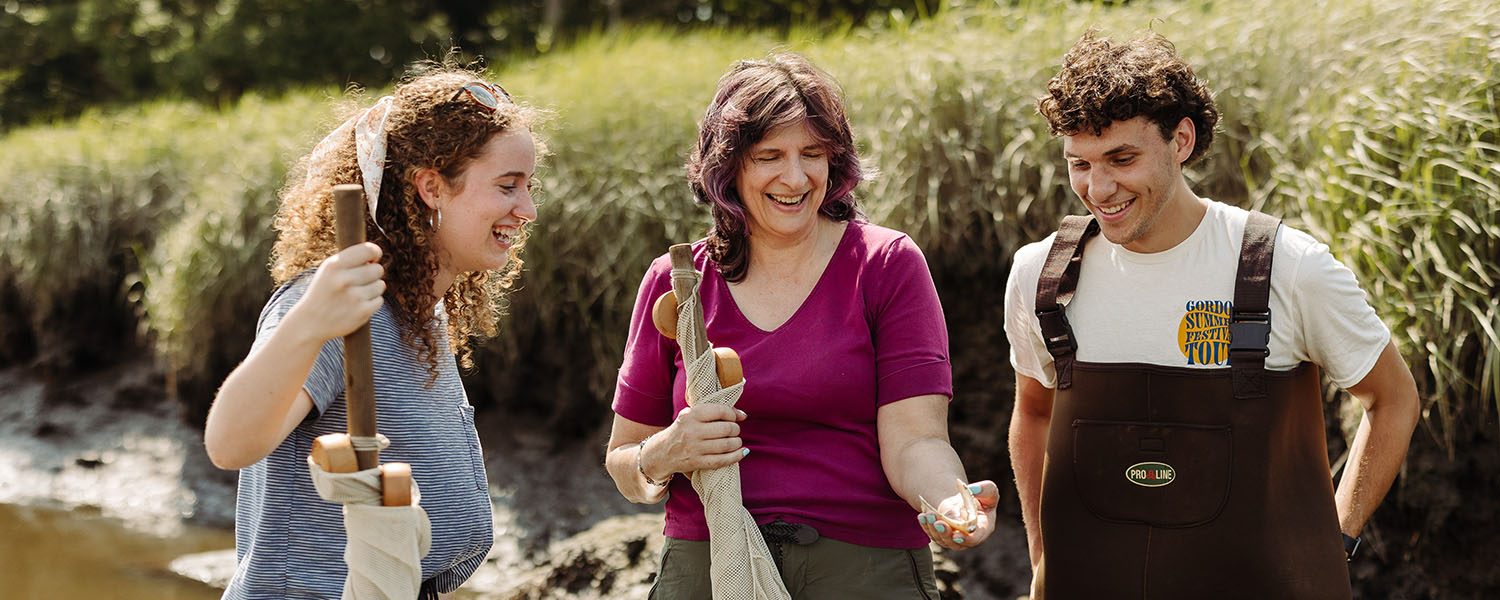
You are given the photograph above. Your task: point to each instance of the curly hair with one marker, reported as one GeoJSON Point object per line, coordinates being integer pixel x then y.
{"type": "Point", "coordinates": [1102, 82]}
{"type": "Point", "coordinates": [754, 98]}
{"type": "Point", "coordinates": [430, 126]}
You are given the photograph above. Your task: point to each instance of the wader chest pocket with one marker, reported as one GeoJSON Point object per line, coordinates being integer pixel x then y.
{"type": "Point", "coordinates": [1159, 474]}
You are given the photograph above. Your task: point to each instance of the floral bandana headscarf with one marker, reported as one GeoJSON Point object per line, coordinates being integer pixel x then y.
{"type": "Point", "coordinates": [369, 147]}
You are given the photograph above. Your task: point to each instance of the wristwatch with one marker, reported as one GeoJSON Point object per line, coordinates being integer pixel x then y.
{"type": "Point", "coordinates": [1351, 545]}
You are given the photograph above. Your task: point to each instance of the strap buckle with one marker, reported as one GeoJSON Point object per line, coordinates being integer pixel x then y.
{"type": "Point", "coordinates": [782, 532]}
{"type": "Point", "coordinates": [1250, 333]}
{"type": "Point", "coordinates": [1055, 331]}
{"type": "Point", "coordinates": [1351, 546]}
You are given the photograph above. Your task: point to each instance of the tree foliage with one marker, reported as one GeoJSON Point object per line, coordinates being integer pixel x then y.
{"type": "Point", "coordinates": [62, 56]}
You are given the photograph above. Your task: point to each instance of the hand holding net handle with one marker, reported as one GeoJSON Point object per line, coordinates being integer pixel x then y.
{"type": "Point", "coordinates": [359, 389]}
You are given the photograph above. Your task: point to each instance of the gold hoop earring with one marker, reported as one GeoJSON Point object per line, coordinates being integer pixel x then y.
{"type": "Point", "coordinates": [439, 222]}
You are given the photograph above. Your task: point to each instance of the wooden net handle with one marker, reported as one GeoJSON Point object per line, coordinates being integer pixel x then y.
{"type": "Point", "coordinates": [359, 390]}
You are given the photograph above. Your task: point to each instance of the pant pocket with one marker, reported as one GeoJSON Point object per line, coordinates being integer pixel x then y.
{"type": "Point", "coordinates": [1161, 474]}
{"type": "Point", "coordinates": [683, 573]}
{"type": "Point", "coordinates": [661, 569]}
{"type": "Point", "coordinates": [829, 568]}
{"type": "Point", "coordinates": [922, 574]}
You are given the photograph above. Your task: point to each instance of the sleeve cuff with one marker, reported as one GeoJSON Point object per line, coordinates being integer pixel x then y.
{"type": "Point", "coordinates": [920, 380]}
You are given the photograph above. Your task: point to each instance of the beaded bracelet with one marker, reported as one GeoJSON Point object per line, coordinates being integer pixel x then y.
{"type": "Point", "coordinates": [640, 450]}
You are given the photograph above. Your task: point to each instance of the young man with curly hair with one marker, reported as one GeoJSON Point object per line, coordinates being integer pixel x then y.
{"type": "Point", "coordinates": [1168, 437]}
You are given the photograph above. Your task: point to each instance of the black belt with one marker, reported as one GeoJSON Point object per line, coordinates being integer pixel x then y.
{"type": "Point", "coordinates": [782, 532]}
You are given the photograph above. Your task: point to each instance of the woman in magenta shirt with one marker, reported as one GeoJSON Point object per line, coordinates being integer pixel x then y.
{"type": "Point", "coordinates": [843, 421]}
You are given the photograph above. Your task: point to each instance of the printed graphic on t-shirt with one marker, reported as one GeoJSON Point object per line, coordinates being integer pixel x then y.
{"type": "Point", "coordinates": [1203, 335]}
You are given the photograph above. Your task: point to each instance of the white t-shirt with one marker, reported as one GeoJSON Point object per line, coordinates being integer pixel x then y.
{"type": "Point", "coordinates": [1172, 307]}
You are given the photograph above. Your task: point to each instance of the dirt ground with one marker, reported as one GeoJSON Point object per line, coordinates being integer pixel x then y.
{"type": "Point", "coordinates": [111, 443]}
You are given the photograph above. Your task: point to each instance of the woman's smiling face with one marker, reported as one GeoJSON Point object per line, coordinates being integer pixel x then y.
{"type": "Point", "coordinates": [484, 211]}
{"type": "Point", "coordinates": [783, 181]}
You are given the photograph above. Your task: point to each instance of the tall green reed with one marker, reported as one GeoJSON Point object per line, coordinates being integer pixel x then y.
{"type": "Point", "coordinates": [1370, 123]}
{"type": "Point", "coordinates": [1379, 136]}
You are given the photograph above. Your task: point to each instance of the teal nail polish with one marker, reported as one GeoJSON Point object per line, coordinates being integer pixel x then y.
{"type": "Point", "coordinates": [744, 451]}
{"type": "Point", "coordinates": [973, 488]}
{"type": "Point", "coordinates": [958, 539]}
{"type": "Point", "coordinates": [930, 518]}
{"type": "Point", "coordinates": [941, 528]}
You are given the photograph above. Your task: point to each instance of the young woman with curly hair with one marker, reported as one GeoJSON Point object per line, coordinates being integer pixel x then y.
{"type": "Point", "coordinates": [446, 162]}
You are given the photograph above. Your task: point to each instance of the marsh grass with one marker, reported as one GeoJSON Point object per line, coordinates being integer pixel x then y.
{"type": "Point", "coordinates": [1371, 124]}
{"type": "Point", "coordinates": [1381, 137]}
{"type": "Point", "coordinates": [156, 218]}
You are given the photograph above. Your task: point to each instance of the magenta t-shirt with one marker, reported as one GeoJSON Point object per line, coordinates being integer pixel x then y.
{"type": "Point", "coordinates": [870, 333]}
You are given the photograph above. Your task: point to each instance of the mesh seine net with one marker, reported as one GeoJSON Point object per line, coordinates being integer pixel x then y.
{"type": "Point", "coordinates": [385, 543]}
{"type": "Point", "coordinates": [741, 567]}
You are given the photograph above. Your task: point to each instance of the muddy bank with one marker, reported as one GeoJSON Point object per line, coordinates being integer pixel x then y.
{"type": "Point", "coordinates": [111, 444]}
{"type": "Point", "coordinates": [110, 449]}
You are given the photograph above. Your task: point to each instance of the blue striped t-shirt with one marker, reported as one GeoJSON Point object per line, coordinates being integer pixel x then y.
{"type": "Point", "coordinates": [289, 541]}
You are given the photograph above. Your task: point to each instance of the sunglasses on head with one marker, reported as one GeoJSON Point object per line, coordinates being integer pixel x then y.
{"type": "Point", "coordinates": [487, 95]}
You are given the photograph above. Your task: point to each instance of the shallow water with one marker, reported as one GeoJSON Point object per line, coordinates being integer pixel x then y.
{"type": "Point", "coordinates": [50, 553]}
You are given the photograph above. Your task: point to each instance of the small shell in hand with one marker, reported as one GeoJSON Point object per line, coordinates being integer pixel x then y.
{"type": "Point", "coordinates": [967, 520]}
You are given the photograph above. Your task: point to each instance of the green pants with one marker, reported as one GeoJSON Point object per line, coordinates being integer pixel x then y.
{"type": "Point", "coordinates": [820, 570]}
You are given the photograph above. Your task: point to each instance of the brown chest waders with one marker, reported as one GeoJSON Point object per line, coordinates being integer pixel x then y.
{"type": "Point", "coordinates": [1172, 482]}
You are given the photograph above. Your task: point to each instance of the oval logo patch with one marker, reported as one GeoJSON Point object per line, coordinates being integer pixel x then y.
{"type": "Point", "coordinates": [1150, 474]}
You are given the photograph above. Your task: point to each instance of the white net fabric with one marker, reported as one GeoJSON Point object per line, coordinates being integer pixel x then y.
{"type": "Point", "coordinates": [385, 543]}
{"type": "Point", "coordinates": [741, 565]}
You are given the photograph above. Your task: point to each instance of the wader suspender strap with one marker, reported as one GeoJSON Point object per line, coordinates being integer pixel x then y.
{"type": "Point", "coordinates": [1250, 320]}
{"type": "Point", "coordinates": [1055, 289]}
